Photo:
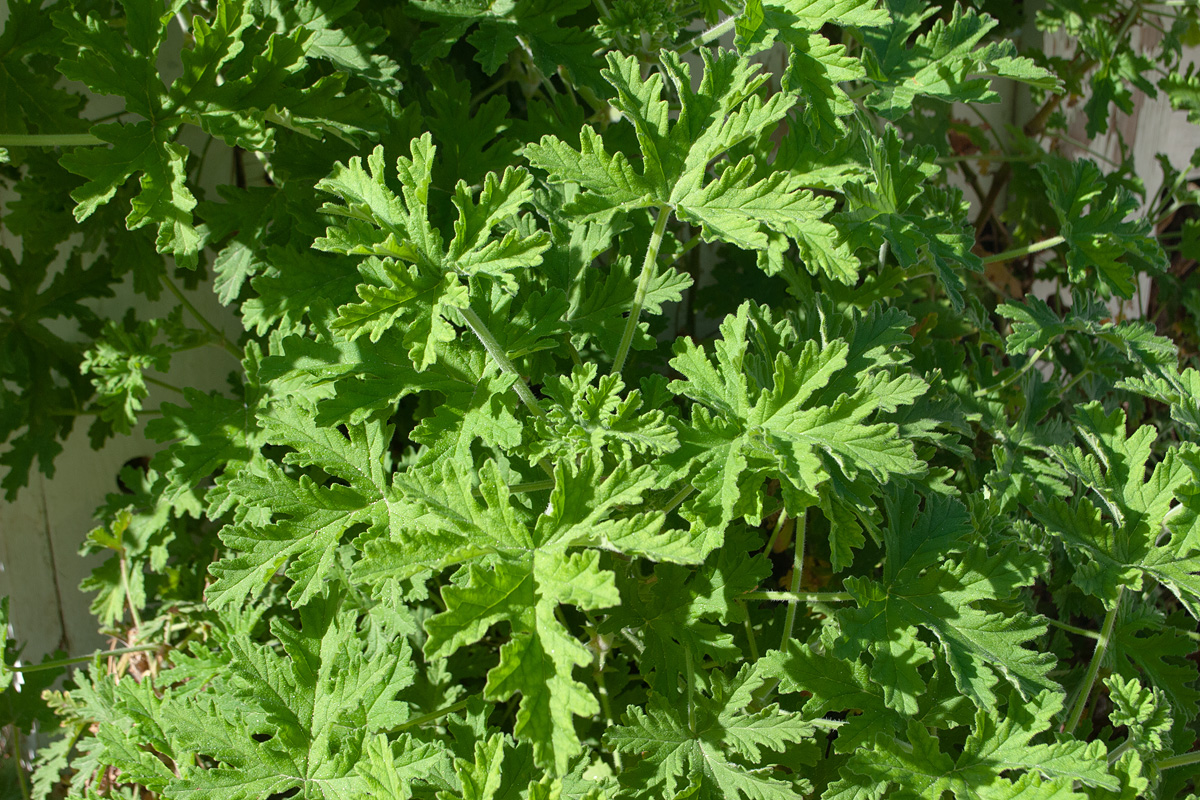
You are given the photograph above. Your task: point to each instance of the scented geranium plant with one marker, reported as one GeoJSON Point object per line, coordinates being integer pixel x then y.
{"type": "Point", "coordinates": [609, 415]}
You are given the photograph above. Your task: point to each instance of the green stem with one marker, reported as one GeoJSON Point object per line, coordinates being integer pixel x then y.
{"type": "Point", "coordinates": [715, 32]}
{"type": "Point", "coordinates": [827, 724]}
{"type": "Point", "coordinates": [485, 336]}
{"type": "Point", "coordinates": [800, 597]}
{"type": "Point", "coordinates": [997, 157]}
{"type": "Point", "coordinates": [688, 246]}
{"type": "Point", "coordinates": [1027, 250]}
{"type": "Point", "coordinates": [1071, 383]}
{"type": "Point", "coordinates": [66, 662]}
{"type": "Point", "coordinates": [861, 91]}
{"type": "Point", "coordinates": [767, 689]}
{"type": "Point", "coordinates": [1180, 760]}
{"type": "Point", "coordinates": [133, 612]}
{"type": "Point", "coordinates": [430, 717]}
{"type": "Point", "coordinates": [49, 140]}
{"type": "Point", "coordinates": [602, 685]}
{"type": "Point", "coordinates": [776, 532]}
{"type": "Point", "coordinates": [643, 285]}
{"type": "Point", "coordinates": [22, 778]}
{"type": "Point", "coordinates": [679, 497]}
{"type": "Point", "coordinates": [751, 637]}
{"type": "Point", "coordinates": [163, 384]}
{"type": "Point", "coordinates": [530, 486]}
{"type": "Point", "coordinates": [1089, 680]}
{"type": "Point", "coordinates": [691, 680]}
{"type": "Point", "coordinates": [141, 412]}
{"type": "Point", "coordinates": [1115, 755]}
{"type": "Point", "coordinates": [1011, 379]}
{"type": "Point", "coordinates": [195, 312]}
{"type": "Point", "coordinates": [789, 621]}
{"type": "Point", "coordinates": [1072, 629]}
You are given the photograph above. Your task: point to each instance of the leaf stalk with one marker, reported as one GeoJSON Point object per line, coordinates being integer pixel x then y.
{"type": "Point", "coordinates": [1027, 250]}
{"type": "Point", "coordinates": [49, 140]}
{"type": "Point", "coordinates": [1089, 679]}
{"type": "Point", "coordinates": [643, 285]}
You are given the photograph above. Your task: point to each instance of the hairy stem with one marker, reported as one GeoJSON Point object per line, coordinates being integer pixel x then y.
{"type": "Point", "coordinates": [800, 597]}
{"type": "Point", "coordinates": [1089, 680]}
{"type": "Point", "coordinates": [489, 342]}
{"type": "Point", "coordinates": [170, 386]}
{"type": "Point", "coordinates": [679, 497]}
{"type": "Point", "coordinates": [643, 285]}
{"type": "Point", "coordinates": [49, 140]}
{"type": "Point", "coordinates": [1072, 629]}
{"type": "Point", "coordinates": [789, 621]}
{"type": "Point", "coordinates": [1027, 250]}
{"type": "Point", "coordinates": [133, 612]}
{"type": "Point", "coordinates": [430, 717]}
{"type": "Point", "coordinates": [203, 320]}
{"type": "Point", "coordinates": [751, 637]}
{"type": "Point", "coordinates": [66, 662]}
{"type": "Point", "coordinates": [1181, 760]}
{"type": "Point", "coordinates": [715, 32]}
{"type": "Point", "coordinates": [22, 778]}
{"type": "Point", "coordinates": [1011, 379]}
{"type": "Point", "coordinates": [691, 681]}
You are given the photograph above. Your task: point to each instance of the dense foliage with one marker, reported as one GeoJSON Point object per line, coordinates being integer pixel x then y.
{"type": "Point", "coordinates": [610, 417]}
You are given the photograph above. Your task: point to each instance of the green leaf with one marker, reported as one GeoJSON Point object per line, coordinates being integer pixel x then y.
{"type": "Point", "coordinates": [919, 768]}
{"type": "Point", "coordinates": [1092, 216]}
{"type": "Point", "coordinates": [793, 20]}
{"type": "Point", "coordinates": [584, 415]}
{"type": "Point", "coordinates": [946, 62]}
{"type": "Point", "coordinates": [924, 227]}
{"type": "Point", "coordinates": [722, 113]}
{"type": "Point", "coordinates": [981, 647]}
{"type": "Point", "coordinates": [1115, 554]}
{"type": "Point", "coordinates": [698, 750]}
{"type": "Point", "coordinates": [518, 568]}
{"type": "Point", "coordinates": [30, 99]}
{"type": "Point", "coordinates": [310, 517]}
{"type": "Point", "coordinates": [1144, 712]}
{"type": "Point", "coordinates": [41, 358]}
{"type": "Point", "coordinates": [529, 25]}
{"type": "Point", "coordinates": [835, 685]}
{"type": "Point", "coordinates": [681, 609]}
{"type": "Point", "coordinates": [772, 406]}
{"type": "Point", "coordinates": [214, 433]}
{"type": "Point", "coordinates": [302, 719]}
{"type": "Point", "coordinates": [424, 292]}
